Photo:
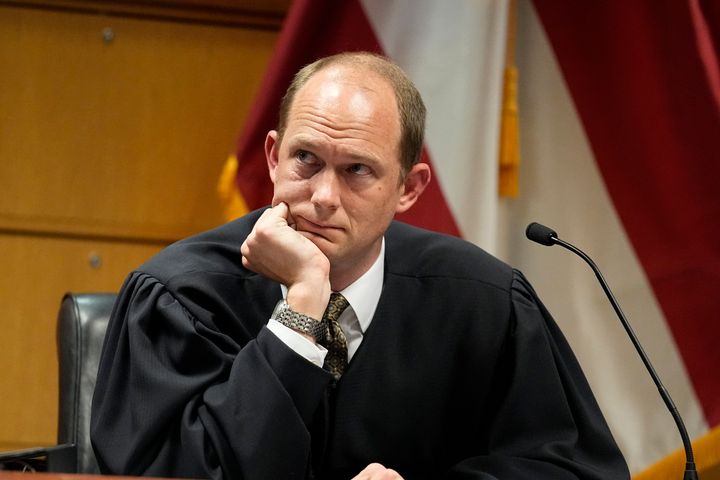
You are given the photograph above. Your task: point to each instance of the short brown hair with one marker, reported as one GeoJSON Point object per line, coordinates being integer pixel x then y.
{"type": "Point", "coordinates": [409, 102]}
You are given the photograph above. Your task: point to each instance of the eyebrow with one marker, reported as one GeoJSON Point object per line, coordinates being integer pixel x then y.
{"type": "Point", "coordinates": [305, 143]}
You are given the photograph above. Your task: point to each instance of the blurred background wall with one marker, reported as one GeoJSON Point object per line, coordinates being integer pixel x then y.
{"type": "Point", "coordinates": [115, 120]}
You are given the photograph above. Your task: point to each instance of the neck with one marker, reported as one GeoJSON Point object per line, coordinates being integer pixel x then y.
{"type": "Point", "coordinates": [345, 274]}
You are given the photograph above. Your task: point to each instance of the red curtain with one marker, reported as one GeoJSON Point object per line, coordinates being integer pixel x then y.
{"type": "Point", "coordinates": [644, 78]}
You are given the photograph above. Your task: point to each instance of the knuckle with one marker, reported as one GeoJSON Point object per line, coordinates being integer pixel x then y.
{"type": "Point", "coordinates": [261, 232]}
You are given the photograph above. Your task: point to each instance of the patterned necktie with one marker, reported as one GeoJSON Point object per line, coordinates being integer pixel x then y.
{"type": "Point", "coordinates": [336, 360]}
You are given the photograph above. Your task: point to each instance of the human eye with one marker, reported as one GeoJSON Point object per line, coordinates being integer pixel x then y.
{"type": "Point", "coordinates": [305, 157]}
{"type": "Point", "coordinates": [359, 169]}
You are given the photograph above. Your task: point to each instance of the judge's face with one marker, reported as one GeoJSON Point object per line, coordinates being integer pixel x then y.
{"type": "Point", "coordinates": [337, 166]}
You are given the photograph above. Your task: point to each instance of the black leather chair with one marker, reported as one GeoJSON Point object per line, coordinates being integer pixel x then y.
{"type": "Point", "coordinates": [81, 326]}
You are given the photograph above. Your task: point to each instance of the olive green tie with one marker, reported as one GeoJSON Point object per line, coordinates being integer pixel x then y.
{"type": "Point", "coordinates": [336, 360]}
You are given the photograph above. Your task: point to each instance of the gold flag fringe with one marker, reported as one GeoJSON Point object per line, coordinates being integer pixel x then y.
{"type": "Point", "coordinates": [509, 156]}
{"type": "Point", "coordinates": [707, 461]}
{"type": "Point", "coordinates": [233, 204]}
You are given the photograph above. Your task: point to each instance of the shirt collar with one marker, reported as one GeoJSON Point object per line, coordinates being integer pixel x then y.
{"type": "Point", "coordinates": [363, 294]}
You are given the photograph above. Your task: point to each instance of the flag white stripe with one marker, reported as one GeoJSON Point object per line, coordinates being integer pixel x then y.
{"type": "Point", "coordinates": [454, 52]}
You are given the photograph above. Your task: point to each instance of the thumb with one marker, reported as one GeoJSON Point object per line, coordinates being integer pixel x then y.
{"type": "Point", "coordinates": [281, 209]}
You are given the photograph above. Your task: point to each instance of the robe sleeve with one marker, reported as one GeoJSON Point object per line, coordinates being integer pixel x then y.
{"type": "Point", "coordinates": [545, 422]}
{"type": "Point", "coordinates": [176, 397]}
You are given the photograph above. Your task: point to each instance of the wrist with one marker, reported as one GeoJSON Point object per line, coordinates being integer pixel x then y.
{"type": "Point", "coordinates": [311, 328]}
{"type": "Point", "coordinates": [309, 298]}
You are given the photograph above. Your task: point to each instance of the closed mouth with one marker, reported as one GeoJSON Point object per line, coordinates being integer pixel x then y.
{"type": "Point", "coordinates": [305, 225]}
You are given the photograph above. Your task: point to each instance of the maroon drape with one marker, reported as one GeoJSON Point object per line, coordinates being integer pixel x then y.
{"type": "Point", "coordinates": [642, 77]}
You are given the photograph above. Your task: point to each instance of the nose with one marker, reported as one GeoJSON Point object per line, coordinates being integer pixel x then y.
{"type": "Point", "coordinates": [326, 190]}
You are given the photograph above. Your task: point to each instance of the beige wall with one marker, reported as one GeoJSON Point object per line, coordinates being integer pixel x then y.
{"type": "Point", "coordinates": [109, 149]}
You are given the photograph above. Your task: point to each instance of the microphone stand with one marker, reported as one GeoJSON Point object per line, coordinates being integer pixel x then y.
{"type": "Point", "coordinates": [549, 238]}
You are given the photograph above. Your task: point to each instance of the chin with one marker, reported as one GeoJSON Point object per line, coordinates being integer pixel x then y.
{"type": "Point", "coordinates": [325, 245]}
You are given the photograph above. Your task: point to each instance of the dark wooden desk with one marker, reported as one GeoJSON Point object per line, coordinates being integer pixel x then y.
{"type": "Point", "coordinates": [5, 475]}
{"type": "Point", "coordinates": [44, 476]}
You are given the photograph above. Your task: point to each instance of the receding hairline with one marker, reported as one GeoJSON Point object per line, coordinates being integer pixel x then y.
{"type": "Point", "coordinates": [357, 63]}
{"type": "Point", "coordinates": [409, 105]}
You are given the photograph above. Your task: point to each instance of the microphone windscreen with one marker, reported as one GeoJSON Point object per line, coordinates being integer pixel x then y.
{"type": "Point", "coordinates": [541, 234]}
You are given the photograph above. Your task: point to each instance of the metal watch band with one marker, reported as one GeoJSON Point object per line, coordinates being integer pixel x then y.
{"type": "Point", "coordinates": [299, 322]}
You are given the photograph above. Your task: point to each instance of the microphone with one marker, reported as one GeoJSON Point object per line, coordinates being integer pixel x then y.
{"type": "Point", "coordinates": [541, 234]}
{"type": "Point", "coordinates": [546, 236]}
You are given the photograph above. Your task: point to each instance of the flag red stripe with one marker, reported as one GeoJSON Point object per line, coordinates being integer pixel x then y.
{"type": "Point", "coordinates": [646, 103]}
{"type": "Point", "coordinates": [431, 210]}
{"type": "Point", "coordinates": [316, 28]}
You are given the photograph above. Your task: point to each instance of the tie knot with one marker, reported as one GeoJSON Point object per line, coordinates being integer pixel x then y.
{"type": "Point", "coordinates": [336, 306]}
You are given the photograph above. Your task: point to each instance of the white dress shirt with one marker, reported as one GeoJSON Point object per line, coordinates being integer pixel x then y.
{"type": "Point", "coordinates": [363, 296]}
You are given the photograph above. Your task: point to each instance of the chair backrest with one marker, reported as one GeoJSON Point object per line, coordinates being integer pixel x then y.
{"type": "Point", "coordinates": [81, 326]}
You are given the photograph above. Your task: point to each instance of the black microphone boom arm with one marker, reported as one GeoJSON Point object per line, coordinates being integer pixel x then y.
{"type": "Point", "coordinates": [546, 236]}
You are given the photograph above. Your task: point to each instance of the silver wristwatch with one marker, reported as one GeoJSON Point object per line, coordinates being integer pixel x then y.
{"type": "Point", "coordinates": [299, 322]}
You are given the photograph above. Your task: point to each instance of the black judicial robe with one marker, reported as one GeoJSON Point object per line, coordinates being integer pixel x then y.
{"type": "Point", "coordinates": [461, 374]}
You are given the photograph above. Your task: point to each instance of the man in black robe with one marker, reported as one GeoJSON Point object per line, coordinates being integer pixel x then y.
{"type": "Point", "coordinates": [442, 362]}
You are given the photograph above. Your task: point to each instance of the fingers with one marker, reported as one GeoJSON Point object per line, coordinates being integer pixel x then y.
{"type": "Point", "coordinates": [281, 209]}
{"type": "Point", "coordinates": [279, 215]}
{"type": "Point", "coordinates": [274, 214]}
{"type": "Point", "coordinates": [376, 471]}
{"type": "Point", "coordinates": [277, 251]}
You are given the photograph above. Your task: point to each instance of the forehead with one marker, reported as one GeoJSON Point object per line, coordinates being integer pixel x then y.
{"type": "Point", "coordinates": [347, 102]}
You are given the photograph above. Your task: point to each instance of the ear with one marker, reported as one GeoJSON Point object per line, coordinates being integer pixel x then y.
{"type": "Point", "coordinates": [415, 182]}
{"type": "Point", "coordinates": [272, 148]}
